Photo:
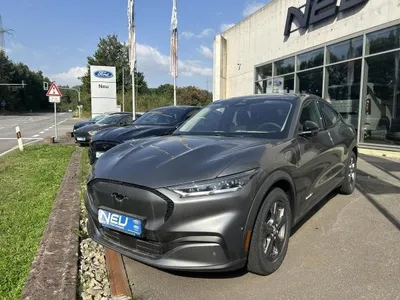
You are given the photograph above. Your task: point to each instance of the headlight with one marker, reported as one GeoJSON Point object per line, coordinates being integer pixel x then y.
{"type": "Point", "coordinates": [92, 132]}
{"type": "Point", "coordinates": [219, 185]}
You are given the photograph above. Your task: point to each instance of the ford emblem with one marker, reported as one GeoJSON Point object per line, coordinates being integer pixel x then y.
{"type": "Point", "coordinates": [103, 74]}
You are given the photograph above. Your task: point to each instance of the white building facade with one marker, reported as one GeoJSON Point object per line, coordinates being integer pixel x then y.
{"type": "Point", "coordinates": [346, 51]}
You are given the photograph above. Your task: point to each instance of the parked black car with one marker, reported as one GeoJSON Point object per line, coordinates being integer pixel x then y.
{"type": "Point", "coordinates": [84, 134]}
{"type": "Point", "coordinates": [90, 121]}
{"type": "Point", "coordinates": [156, 122]}
{"type": "Point", "coordinates": [225, 189]}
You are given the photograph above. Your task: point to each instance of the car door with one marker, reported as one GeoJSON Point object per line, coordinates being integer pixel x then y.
{"type": "Point", "coordinates": [343, 137]}
{"type": "Point", "coordinates": [315, 158]}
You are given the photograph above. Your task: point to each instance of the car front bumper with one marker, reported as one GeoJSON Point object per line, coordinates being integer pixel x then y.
{"type": "Point", "coordinates": [202, 234]}
{"type": "Point", "coordinates": [82, 138]}
{"type": "Point", "coordinates": [97, 148]}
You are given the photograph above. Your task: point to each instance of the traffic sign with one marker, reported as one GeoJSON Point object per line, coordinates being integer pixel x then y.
{"type": "Point", "coordinates": [54, 99]}
{"type": "Point", "coordinates": [53, 91]}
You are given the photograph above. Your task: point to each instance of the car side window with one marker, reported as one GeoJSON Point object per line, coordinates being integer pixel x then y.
{"type": "Point", "coordinates": [191, 114]}
{"type": "Point", "coordinates": [126, 121]}
{"type": "Point", "coordinates": [310, 112]}
{"type": "Point", "coordinates": [330, 116]}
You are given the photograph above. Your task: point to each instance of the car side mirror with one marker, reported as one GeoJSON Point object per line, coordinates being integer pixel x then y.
{"type": "Point", "coordinates": [310, 128]}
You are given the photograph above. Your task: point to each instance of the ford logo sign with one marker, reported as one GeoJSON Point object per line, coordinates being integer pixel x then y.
{"type": "Point", "coordinates": [103, 74]}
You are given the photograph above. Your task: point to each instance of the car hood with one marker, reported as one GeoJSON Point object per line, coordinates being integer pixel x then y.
{"type": "Point", "coordinates": [82, 123]}
{"type": "Point", "coordinates": [91, 127]}
{"type": "Point", "coordinates": [121, 134]}
{"type": "Point", "coordinates": [164, 161]}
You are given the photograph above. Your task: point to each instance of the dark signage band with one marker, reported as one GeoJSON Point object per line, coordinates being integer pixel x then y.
{"type": "Point", "coordinates": [316, 11]}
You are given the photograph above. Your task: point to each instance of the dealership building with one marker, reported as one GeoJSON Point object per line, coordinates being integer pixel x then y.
{"type": "Point", "coordinates": [347, 51]}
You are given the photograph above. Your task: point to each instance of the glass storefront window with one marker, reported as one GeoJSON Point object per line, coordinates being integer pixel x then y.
{"type": "Point", "coordinates": [381, 102]}
{"type": "Point", "coordinates": [261, 87]}
{"type": "Point", "coordinates": [284, 66]}
{"type": "Point", "coordinates": [311, 81]}
{"type": "Point", "coordinates": [288, 84]}
{"type": "Point", "coordinates": [310, 59]}
{"type": "Point", "coordinates": [264, 71]}
{"type": "Point", "coordinates": [383, 40]}
{"type": "Point", "coordinates": [345, 50]}
{"type": "Point", "coordinates": [343, 82]}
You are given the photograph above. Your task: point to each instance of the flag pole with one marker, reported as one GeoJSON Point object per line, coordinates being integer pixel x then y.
{"type": "Point", "coordinates": [174, 90]}
{"type": "Point", "coordinates": [132, 50]}
{"type": "Point", "coordinates": [174, 46]}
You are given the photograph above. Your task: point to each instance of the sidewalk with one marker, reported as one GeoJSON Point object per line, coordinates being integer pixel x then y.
{"type": "Point", "coordinates": [346, 248]}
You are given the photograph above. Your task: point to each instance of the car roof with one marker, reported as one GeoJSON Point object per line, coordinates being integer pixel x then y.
{"type": "Point", "coordinates": [291, 97]}
{"type": "Point", "coordinates": [178, 107]}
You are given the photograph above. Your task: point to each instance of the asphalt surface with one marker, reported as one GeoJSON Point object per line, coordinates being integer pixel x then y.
{"type": "Point", "coordinates": [34, 127]}
{"type": "Point", "coordinates": [348, 247]}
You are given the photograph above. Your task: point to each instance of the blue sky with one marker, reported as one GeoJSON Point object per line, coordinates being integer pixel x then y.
{"type": "Point", "coordinates": [57, 36]}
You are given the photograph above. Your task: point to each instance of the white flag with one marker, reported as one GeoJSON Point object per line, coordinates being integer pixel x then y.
{"type": "Point", "coordinates": [132, 35]}
{"type": "Point", "coordinates": [174, 41]}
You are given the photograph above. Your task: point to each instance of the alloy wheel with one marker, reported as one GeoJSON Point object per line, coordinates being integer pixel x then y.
{"type": "Point", "coordinates": [352, 171]}
{"type": "Point", "coordinates": [275, 231]}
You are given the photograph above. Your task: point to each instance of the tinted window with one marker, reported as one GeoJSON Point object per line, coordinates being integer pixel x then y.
{"type": "Point", "coordinates": [284, 66]}
{"type": "Point", "coordinates": [310, 113]}
{"type": "Point", "coordinates": [191, 114]}
{"type": "Point", "coordinates": [252, 117]}
{"type": "Point", "coordinates": [383, 40]}
{"type": "Point", "coordinates": [162, 116]}
{"type": "Point", "coordinates": [113, 119]}
{"type": "Point", "coordinates": [310, 59]}
{"type": "Point", "coordinates": [330, 115]}
{"type": "Point", "coordinates": [345, 50]}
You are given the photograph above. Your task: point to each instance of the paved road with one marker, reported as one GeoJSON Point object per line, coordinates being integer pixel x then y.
{"type": "Point", "coordinates": [347, 248]}
{"type": "Point", "coordinates": [33, 127]}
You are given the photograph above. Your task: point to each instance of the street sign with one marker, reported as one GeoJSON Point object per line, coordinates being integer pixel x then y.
{"type": "Point", "coordinates": [54, 99]}
{"type": "Point", "coordinates": [53, 90]}
{"type": "Point", "coordinates": [54, 95]}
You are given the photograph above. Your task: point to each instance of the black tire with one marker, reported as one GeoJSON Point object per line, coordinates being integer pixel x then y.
{"type": "Point", "coordinates": [268, 235]}
{"type": "Point", "coordinates": [349, 181]}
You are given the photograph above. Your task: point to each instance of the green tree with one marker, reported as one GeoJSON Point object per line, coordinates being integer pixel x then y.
{"type": "Point", "coordinates": [18, 98]}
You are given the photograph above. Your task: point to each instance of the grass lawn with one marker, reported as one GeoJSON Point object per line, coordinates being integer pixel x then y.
{"type": "Point", "coordinates": [29, 182]}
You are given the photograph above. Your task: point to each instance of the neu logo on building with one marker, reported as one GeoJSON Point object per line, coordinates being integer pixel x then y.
{"type": "Point", "coordinates": [103, 74]}
{"type": "Point", "coordinates": [316, 11]}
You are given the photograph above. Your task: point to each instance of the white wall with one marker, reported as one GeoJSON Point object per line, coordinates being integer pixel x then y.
{"type": "Point", "coordinates": [259, 38]}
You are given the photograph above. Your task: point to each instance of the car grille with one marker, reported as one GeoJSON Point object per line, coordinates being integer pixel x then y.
{"type": "Point", "coordinates": [142, 201]}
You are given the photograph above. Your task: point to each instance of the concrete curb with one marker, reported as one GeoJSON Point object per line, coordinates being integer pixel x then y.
{"type": "Point", "coordinates": [54, 271]}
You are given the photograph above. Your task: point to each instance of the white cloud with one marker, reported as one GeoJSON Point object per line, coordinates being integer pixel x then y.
{"type": "Point", "coordinates": [187, 34]}
{"type": "Point", "coordinates": [225, 27]}
{"type": "Point", "coordinates": [81, 50]}
{"type": "Point", "coordinates": [204, 33]}
{"type": "Point", "coordinates": [252, 7]}
{"type": "Point", "coordinates": [70, 77]}
{"type": "Point", "coordinates": [151, 61]}
{"type": "Point", "coordinates": [207, 52]}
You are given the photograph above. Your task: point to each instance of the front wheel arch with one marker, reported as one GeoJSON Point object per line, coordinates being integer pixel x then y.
{"type": "Point", "coordinates": [279, 179]}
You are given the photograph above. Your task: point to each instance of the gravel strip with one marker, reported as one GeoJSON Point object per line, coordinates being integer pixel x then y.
{"type": "Point", "coordinates": [93, 276]}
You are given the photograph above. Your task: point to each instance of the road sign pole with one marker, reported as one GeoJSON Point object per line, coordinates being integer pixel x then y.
{"type": "Point", "coordinates": [55, 120]}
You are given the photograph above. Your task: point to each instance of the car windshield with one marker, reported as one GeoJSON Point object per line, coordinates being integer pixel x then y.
{"type": "Point", "coordinates": [165, 116]}
{"type": "Point", "coordinates": [98, 118]}
{"type": "Point", "coordinates": [255, 117]}
{"type": "Point", "coordinates": [113, 119]}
